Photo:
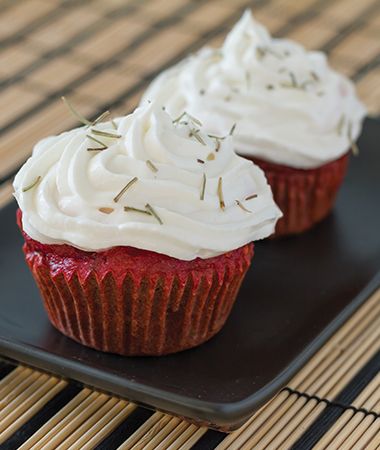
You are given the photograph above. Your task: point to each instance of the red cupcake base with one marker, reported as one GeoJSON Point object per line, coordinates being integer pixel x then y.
{"type": "Point", "coordinates": [136, 302]}
{"type": "Point", "coordinates": [304, 196]}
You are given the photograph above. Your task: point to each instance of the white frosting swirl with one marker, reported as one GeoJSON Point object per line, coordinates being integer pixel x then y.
{"type": "Point", "coordinates": [64, 206]}
{"type": "Point", "coordinates": [290, 107]}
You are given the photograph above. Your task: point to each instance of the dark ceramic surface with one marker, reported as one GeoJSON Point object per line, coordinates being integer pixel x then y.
{"type": "Point", "coordinates": [298, 291]}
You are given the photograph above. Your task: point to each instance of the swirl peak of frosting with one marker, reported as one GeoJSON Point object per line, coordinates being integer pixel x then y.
{"type": "Point", "coordinates": [152, 183]}
{"type": "Point", "coordinates": [290, 106]}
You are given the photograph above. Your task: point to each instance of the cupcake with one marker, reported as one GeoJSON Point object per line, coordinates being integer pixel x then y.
{"type": "Point", "coordinates": [292, 114]}
{"type": "Point", "coordinates": [138, 231]}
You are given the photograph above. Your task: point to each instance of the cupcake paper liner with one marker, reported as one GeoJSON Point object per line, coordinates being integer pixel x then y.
{"type": "Point", "coordinates": [304, 196]}
{"type": "Point", "coordinates": [136, 302]}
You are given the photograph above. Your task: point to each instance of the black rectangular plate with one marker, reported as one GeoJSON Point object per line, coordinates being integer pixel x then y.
{"type": "Point", "coordinates": [297, 293]}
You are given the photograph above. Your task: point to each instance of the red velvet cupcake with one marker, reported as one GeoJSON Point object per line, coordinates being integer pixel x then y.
{"type": "Point", "coordinates": [305, 197]}
{"type": "Point", "coordinates": [291, 114]}
{"type": "Point", "coordinates": [137, 238]}
{"type": "Point", "coordinates": [136, 302]}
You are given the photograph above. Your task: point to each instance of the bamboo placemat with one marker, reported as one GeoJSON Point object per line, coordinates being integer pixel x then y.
{"type": "Point", "coordinates": [102, 54]}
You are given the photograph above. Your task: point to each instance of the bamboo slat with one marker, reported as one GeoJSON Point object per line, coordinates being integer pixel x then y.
{"type": "Point", "coordinates": [34, 404]}
{"type": "Point", "coordinates": [104, 427]}
{"type": "Point", "coordinates": [22, 14]}
{"type": "Point", "coordinates": [151, 427]}
{"type": "Point", "coordinates": [338, 433]}
{"type": "Point", "coordinates": [65, 414]}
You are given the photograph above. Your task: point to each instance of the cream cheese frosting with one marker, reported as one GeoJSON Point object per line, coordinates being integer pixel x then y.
{"type": "Point", "coordinates": [153, 183]}
{"type": "Point", "coordinates": [289, 106]}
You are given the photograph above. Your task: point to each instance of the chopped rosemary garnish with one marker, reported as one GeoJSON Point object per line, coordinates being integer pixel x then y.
{"type": "Point", "coordinates": [270, 87]}
{"type": "Point", "coordinates": [105, 134]}
{"type": "Point", "coordinates": [200, 161]}
{"type": "Point", "coordinates": [305, 83]}
{"type": "Point", "coordinates": [125, 188]}
{"type": "Point", "coordinates": [248, 79]}
{"type": "Point", "coordinates": [354, 148]}
{"type": "Point", "coordinates": [293, 79]}
{"type": "Point", "coordinates": [339, 127]}
{"type": "Point", "coordinates": [218, 140]}
{"type": "Point", "coordinates": [241, 206]}
{"type": "Point", "coordinates": [101, 117]}
{"type": "Point", "coordinates": [353, 144]}
{"type": "Point", "coordinates": [349, 130]}
{"type": "Point", "coordinates": [250, 197]}
{"type": "Point", "coordinates": [203, 187]}
{"type": "Point", "coordinates": [260, 53]}
{"type": "Point", "coordinates": [186, 114]}
{"type": "Point", "coordinates": [178, 119]}
{"type": "Point", "coordinates": [106, 210]}
{"type": "Point", "coordinates": [227, 98]}
{"type": "Point", "coordinates": [195, 132]}
{"type": "Point", "coordinates": [217, 55]}
{"type": "Point", "coordinates": [153, 212]}
{"type": "Point", "coordinates": [151, 166]}
{"type": "Point", "coordinates": [314, 75]}
{"type": "Point", "coordinates": [75, 113]}
{"type": "Point", "coordinates": [210, 157]}
{"type": "Point", "coordinates": [273, 53]}
{"type": "Point", "coordinates": [32, 185]}
{"type": "Point", "coordinates": [293, 84]}
{"type": "Point", "coordinates": [103, 145]}
{"type": "Point", "coordinates": [202, 92]}
{"type": "Point", "coordinates": [132, 209]}
{"type": "Point", "coordinates": [232, 129]}
{"type": "Point", "coordinates": [212, 136]}
{"type": "Point", "coordinates": [220, 194]}
{"type": "Point", "coordinates": [286, 84]}
{"type": "Point", "coordinates": [113, 124]}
